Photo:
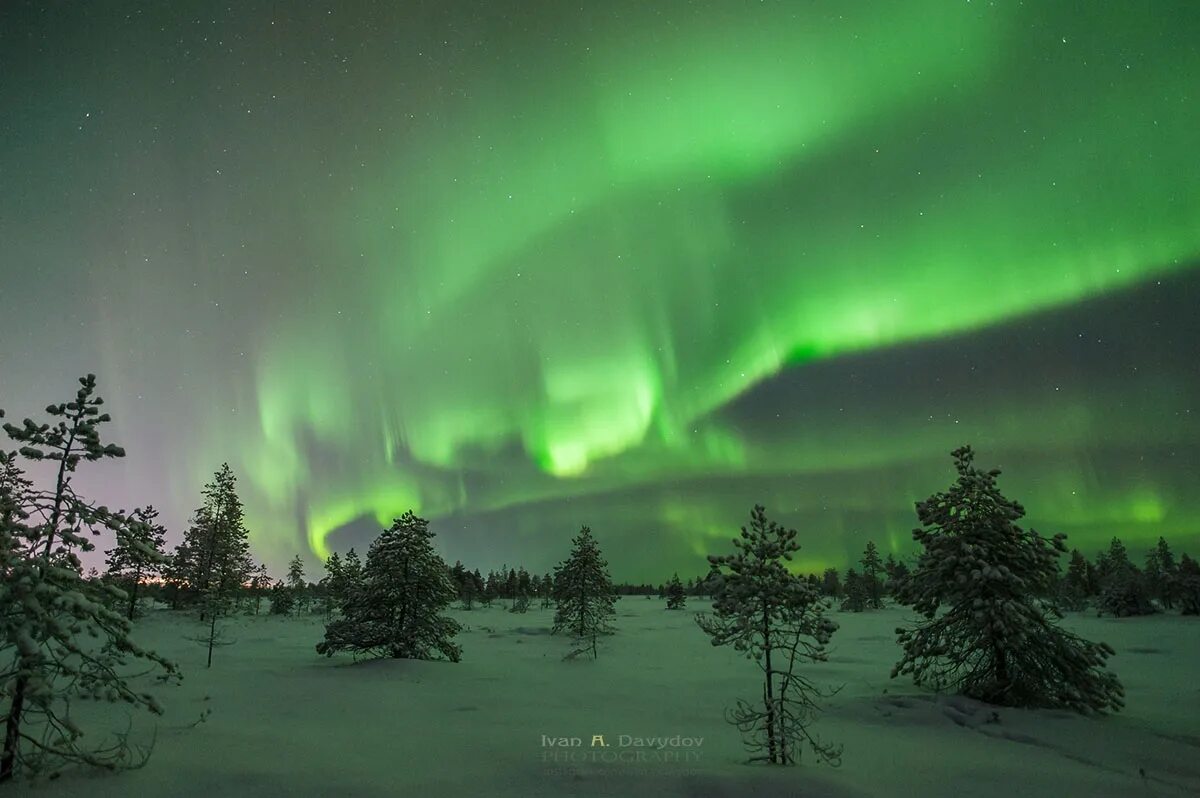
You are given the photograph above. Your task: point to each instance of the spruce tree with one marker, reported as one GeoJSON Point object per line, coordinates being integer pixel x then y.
{"type": "Point", "coordinates": [872, 576]}
{"type": "Point", "coordinates": [59, 643]}
{"type": "Point", "coordinates": [985, 633]}
{"type": "Point", "coordinates": [138, 555]}
{"type": "Point", "coordinates": [676, 597]}
{"type": "Point", "coordinates": [583, 594]}
{"type": "Point", "coordinates": [395, 609]}
{"type": "Point", "coordinates": [777, 619]}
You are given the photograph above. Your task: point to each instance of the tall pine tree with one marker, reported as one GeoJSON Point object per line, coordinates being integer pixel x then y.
{"type": "Point", "coordinates": [59, 642]}
{"type": "Point", "coordinates": [583, 593]}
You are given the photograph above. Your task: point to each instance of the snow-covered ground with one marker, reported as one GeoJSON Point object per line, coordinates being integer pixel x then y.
{"type": "Point", "coordinates": [287, 722]}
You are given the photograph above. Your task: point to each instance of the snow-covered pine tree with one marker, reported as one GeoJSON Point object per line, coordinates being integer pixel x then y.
{"type": "Point", "coordinates": [676, 596]}
{"type": "Point", "coordinates": [1188, 586]}
{"type": "Point", "coordinates": [138, 555]}
{"type": "Point", "coordinates": [396, 609]}
{"type": "Point", "coordinates": [58, 640]}
{"type": "Point", "coordinates": [583, 594]}
{"type": "Point", "coordinates": [872, 576]}
{"type": "Point", "coordinates": [296, 584]}
{"type": "Point", "coordinates": [777, 619]}
{"type": "Point", "coordinates": [854, 594]}
{"type": "Point", "coordinates": [985, 633]}
{"type": "Point", "coordinates": [1123, 590]}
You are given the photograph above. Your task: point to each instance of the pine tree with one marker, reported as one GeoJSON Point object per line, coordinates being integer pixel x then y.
{"type": "Point", "coordinates": [854, 593]}
{"type": "Point", "coordinates": [521, 587]}
{"type": "Point", "coordinates": [260, 581]}
{"type": "Point", "coordinates": [1123, 590]}
{"type": "Point", "coordinates": [897, 572]}
{"type": "Point", "coordinates": [1161, 574]}
{"type": "Point", "coordinates": [219, 553]}
{"type": "Point", "coordinates": [1188, 586]}
{"type": "Point", "coordinates": [872, 573]}
{"type": "Point", "coordinates": [831, 583]}
{"type": "Point", "coordinates": [676, 597]}
{"type": "Point", "coordinates": [1075, 589]}
{"type": "Point", "coordinates": [58, 640]}
{"type": "Point", "coordinates": [283, 600]}
{"type": "Point", "coordinates": [984, 633]}
{"type": "Point", "coordinates": [395, 609]}
{"type": "Point", "coordinates": [776, 619]}
{"type": "Point", "coordinates": [138, 554]}
{"type": "Point", "coordinates": [583, 593]}
{"type": "Point", "coordinates": [296, 584]}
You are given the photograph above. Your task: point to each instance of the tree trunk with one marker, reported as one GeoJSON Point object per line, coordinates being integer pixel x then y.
{"type": "Point", "coordinates": [212, 633]}
{"type": "Point", "coordinates": [768, 688]}
{"type": "Point", "coordinates": [12, 738]}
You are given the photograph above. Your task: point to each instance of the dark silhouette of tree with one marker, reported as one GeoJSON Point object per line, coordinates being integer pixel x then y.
{"type": "Point", "coordinates": [676, 597]}
{"type": "Point", "coordinates": [58, 639]}
{"type": "Point", "coordinates": [775, 618]}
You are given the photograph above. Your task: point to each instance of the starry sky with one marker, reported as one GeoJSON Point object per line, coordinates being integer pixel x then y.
{"type": "Point", "coordinates": [521, 266]}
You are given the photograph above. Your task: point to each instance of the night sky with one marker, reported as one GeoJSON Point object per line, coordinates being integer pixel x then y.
{"type": "Point", "coordinates": [521, 266]}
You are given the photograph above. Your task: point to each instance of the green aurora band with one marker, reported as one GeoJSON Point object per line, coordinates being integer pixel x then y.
{"type": "Point", "coordinates": [607, 268]}
{"type": "Point", "coordinates": [590, 265]}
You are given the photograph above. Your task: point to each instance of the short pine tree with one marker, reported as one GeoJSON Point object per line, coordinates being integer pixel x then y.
{"type": "Point", "coordinates": [296, 584]}
{"type": "Point", "coordinates": [854, 593]}
{"type": "Point", "coordinates": [984, 633]}
{"type": "Point", "coordinates": [59, 641]}
{"type": "Point", "coordinates": [676, 597]}
{"type": "Point", "coordinates": [776, 619]}
{"type": "Point", "coordinates": [872, 576]}
{"type": "Point", "coordinates": [583, 594]}
{"type": "Point", "coordinates": [138, 555]}
{"type": "Point", "coordinates": [395, 609]}
{"type": "Point", "coordinates": [283, 600]}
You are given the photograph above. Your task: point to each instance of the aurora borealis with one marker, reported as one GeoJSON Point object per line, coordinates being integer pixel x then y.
{"type": "Point", "coordinates": [524, 266]}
